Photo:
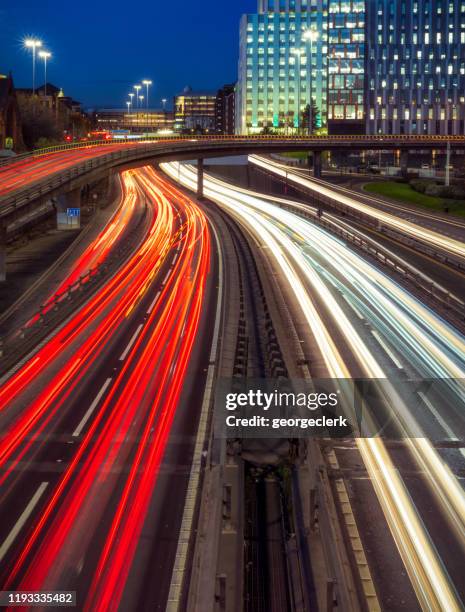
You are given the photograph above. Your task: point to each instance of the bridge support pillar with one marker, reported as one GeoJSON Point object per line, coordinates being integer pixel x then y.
{"type": "Point", "coordinates": [404, 163]}
{"type": "Point", "coordinates": [317, 164]}
{"type": "Point", "coordinates": [68, 207]}
{"type": "Point", "coordinates": [2, 252]}
{"type": "Point", "coordinates": [200, 178]}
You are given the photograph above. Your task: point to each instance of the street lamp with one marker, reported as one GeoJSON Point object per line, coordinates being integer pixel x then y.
{"type": "Point", "coordinates": [147, 84]}
{"type": "Point", "coordinates": [131, 95]}
{"type": "Point", "coordinates": [137, 88]}
{"type": "Point", "coordinates": [140, 117]}
{"type": "Point", "coordinates": [164, 101]}
{"type": "Point", "coordinates": [311, 36]}
{"type": "Point", "coordinates": [45, 55]}
{"type": "Point", "coordinates": [297, 53]}
{"type": "Point", "coordinates": [33, 43]}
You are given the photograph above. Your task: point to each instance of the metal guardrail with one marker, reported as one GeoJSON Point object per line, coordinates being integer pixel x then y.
{"type": "Point", "coordinates": [15, 345]}
{"type": "Point", "coordinates": [388, 139]}
{"type": "Point", "coordinates": [434, 290]}
{"type": "Point", "coordinates": [369, 221]}
{"type": "Point", "coordinates": [135, 150]}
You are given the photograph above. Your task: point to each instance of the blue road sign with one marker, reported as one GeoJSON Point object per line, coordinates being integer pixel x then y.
{"type": "Point", "coordinates": [73, 212]}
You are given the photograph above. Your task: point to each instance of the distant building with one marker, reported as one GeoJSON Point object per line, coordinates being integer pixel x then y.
{"type": "Point", "coordinates": [225, 110]}
{"type": "Point", "coordinates": [67, 113]}
{"type": "Point", "coordinates": [10, 125]}
{"type": "Point", "coordinates": [194, 111]}
{"type": "Point", "coordinates": [137, 120]}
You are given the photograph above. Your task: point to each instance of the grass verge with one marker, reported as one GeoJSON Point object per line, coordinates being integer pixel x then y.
{"type": "Point", "coordinates": [404, 193]}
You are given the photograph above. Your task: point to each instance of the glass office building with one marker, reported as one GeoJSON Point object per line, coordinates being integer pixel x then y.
{"type": "Point", "coordinates": [346, 66]}
{"type": "Point", "coordinates": [379, 66]}
{"type": "Point", "coordinates": [415, 77]}
{"type": "Point", "coordinates": [280, 70]}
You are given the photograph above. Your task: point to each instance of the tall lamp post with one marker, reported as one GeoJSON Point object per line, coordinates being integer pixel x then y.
{"type": "Point", "coordinates": [141, 99]}
{"type": "Point", "coordinates": [34, 44]}
{"type": "Point", "coordinates": [448, 151]}
{"type": "Point", "coordinates": [311, 36]}
{"type": "Point", "coordinates": [147, 84]}
{"type": "Point", "coordinates": [45, 55]}
{"type": "Point", "coordinates": [297, 53]}
{"type": "Point", "coordinates": [137, 88]}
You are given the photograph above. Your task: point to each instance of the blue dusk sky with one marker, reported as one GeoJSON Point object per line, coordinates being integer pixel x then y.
{"type": "Point", "coordinates": [101, 48]}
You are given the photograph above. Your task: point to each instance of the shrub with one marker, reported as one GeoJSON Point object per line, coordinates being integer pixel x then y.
{"type": "Point", "coordinates": [421, 185]}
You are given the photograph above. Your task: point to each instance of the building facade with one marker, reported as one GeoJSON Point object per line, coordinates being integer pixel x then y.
{"type": "Point", "coordinates": [346, 66]}
{"type": "Point", "coordinates": [10, 123]}
{"type": "Point", "coordinates": [415, 76]}
{"type": "Point", "coordinates": [194, 111]}
{"type": "Point", "coordinates": [225, 110]}
{"type": "Point", "coordinates": [136, 121]}
{"type": "Point", "coordinates": [378, 66]}
{"type": "Point", "coordinates": [280, 69]}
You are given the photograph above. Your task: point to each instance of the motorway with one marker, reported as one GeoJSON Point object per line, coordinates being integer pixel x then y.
{"type": "Point", "coordinates": [354, 321]}
{"type": "Point", "coordinates": [417, 226]}
{"type": "Point", "coordinates": [99, 424]}
{"type": "Point", "coordinates": [435, 220]}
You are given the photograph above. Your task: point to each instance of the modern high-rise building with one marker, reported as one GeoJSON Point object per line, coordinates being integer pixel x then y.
{"type": "Point", "coordinates": [377, 66]}
{"type": "Point", "coordinates": [415, 77]}
{"type": "Point", "coordinates": [282, 65]}
{"type": "Point", "coordinates": [346, 66]}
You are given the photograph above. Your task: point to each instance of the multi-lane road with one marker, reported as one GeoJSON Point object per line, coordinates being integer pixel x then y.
{"type": "Point", "coordinates": [97, 430]}
{"type": "Point", "coordinates": [357, 322]}
{"type": "Point", "coordinates": [99, 423]}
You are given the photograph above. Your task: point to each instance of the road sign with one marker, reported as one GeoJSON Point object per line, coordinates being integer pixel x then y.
{"type": "Point", "coordinates": [9, 142]}
{"type": "Point", "coordinates": [73, 212]}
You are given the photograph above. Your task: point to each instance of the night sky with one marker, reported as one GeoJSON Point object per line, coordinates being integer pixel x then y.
{"type": "Point", "coordinates": [103, 47]}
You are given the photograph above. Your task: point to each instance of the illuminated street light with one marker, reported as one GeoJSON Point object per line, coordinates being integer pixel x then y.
{"type": "Point", "coordinates": [147, 84]}
{"type": "Point", "coordinates": [164, 101]}
{"type": "Point", "coordinates": [311, 36]}
{"type": "Point", "coordinates": [137, 88]}
{"type": "Point", "coordinates": [33, 43]}
{"type": "Point", "coordinates": [131, 95]}
{"type": "Point", "coordinates": [45, 55]}
{"type": "Point", "coordinates": [298, 53]}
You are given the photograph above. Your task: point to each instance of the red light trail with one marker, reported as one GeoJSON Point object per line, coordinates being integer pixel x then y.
{"type": "Point", "coordinates": [131, 425]}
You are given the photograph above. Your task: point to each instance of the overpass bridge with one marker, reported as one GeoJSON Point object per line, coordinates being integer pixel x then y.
{"type": "Point", "coordinates": [58, 174]}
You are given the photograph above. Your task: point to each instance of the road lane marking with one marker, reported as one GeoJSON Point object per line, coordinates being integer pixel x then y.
{"type": "Point", "coordinates": [390, 354]}
{"type": "Point", "coordinates": [357, 312]}
{"type": "Point", "coordinates": [152, 305]}
{"type": "Point", "coordinates": [440, 420]}
{"type": "Point", "coordinates": [174, 260]}
{"type": "Point", "coordinates": [22, 520]}
{"type": "Point", "coordinates": [166, 277]}
{"type": "Point", "coordinates": [194, 484]}
{"type": "Point", "coordinates": [86, 417]}
{"type": "Point", "coordinates": [131, 342]}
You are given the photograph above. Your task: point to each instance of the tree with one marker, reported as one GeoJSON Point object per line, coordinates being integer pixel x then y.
{"type": "Point", "coordinates": [38, 122]}
{"type": "Point", "coordinates": [314, 112]}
